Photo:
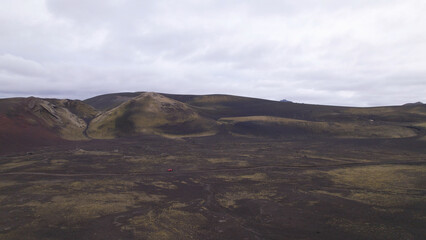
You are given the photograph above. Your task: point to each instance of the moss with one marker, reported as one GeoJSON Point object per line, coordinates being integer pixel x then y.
{"type": "Point", "coordinates": [277, 125]}
{"type": "Point", "coordinates": [73, 209]}
{"type": "Point", "coordinates": [370, 230]}
{"type": "Point", "coordinates": [15, 164]}
{"type": "Point", "coordinates": [6, 183]}
{"type": "Point", "coordinates": [123, 123]}
{"type": "Point", "coordinates": [164, 185]}
{"type": "Point", "coordinates": [229, 199]}
{"type": "Point", "coordinates": [253, 177]}
{"type": "Point", "coordinates": [169, 223]}
{"type": "Point", "coordinates": [96, 153]}
{"type": "Point", "coordinates": [386, 186]}
{"type": "Point", "coordinates": [384, 177]}
{"type": "Point", "coordinates": [70, 203]}
{"type": "Point", "coordinates": [228, 161]}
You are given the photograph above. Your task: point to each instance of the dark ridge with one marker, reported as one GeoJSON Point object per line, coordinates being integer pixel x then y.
{"type": "Point", "coordinates": [189, 127]}
{"type": "Point", "coordinates": [263, 129]}
{"type": "Point", "coordinates": [414, 104]}
{"type": "Point", "coordinates": [109, 101]}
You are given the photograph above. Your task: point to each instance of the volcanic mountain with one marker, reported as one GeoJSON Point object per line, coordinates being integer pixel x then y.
{"type": "Point", "coordinates": [26, 122]}
{"type": "Point", "coordinates": [150, 113]}
{"type": "Point", "coordinates": [252, 117]}
{"type": "Point", "coordinates": [36, 121]}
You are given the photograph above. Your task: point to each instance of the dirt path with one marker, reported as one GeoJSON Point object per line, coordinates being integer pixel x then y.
{"type": "Point", "coordinates": [273, 167]}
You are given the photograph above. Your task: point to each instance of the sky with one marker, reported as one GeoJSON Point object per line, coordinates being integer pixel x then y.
{"type": "Point", "coordinates": [333, 52]}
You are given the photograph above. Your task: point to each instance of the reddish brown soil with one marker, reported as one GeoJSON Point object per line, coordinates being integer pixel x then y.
{"type": "Point", "coordinates": [19, 135]}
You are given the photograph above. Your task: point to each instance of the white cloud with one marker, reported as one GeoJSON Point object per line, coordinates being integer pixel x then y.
{"type": "Point", "coordinates": [19, 66]}
{"type": "Point", "coordinates": [358, 53]}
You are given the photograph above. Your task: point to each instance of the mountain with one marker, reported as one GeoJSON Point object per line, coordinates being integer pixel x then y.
{"type": "Point", "coordinates": [150, 113]}
{"type": "Point", "coordinates": [258, 117]}
{"type": "Point", "coordinates": [33, 121]}
{"type": "Point", "coordinates": [37, 121]}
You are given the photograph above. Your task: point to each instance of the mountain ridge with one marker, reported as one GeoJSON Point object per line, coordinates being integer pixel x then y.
{"type": "Point", "coordinates": [171, 115]}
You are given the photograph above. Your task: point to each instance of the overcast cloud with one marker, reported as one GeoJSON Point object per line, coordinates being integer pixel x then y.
{"type": "Point", "coordinates": [354, 52]}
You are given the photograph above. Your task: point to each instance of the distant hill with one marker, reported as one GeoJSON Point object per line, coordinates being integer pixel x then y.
{"type": "Point", "coordinates": [108, 101]}
{"type": "Point", "coordinates": [36, 121]}
{"type": "Point", "coordinates": [414, 104]}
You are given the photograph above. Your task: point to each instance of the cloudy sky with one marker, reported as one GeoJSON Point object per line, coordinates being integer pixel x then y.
{"type": "Point", "coordinates": [352, 53]}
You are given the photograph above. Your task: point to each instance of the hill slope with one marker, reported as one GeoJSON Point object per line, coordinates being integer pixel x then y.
{"type": "Point", "coordinates": [150, 113]}
{"type": "Point", "coordinates": [33, 121]}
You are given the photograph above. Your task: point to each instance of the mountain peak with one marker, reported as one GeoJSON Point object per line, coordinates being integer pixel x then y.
{"type": "Point", "coordinates": [148, 112]}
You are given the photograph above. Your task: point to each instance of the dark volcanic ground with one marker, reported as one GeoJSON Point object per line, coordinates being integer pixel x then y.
{"type": "Point", "coordinates": [222, 187]}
